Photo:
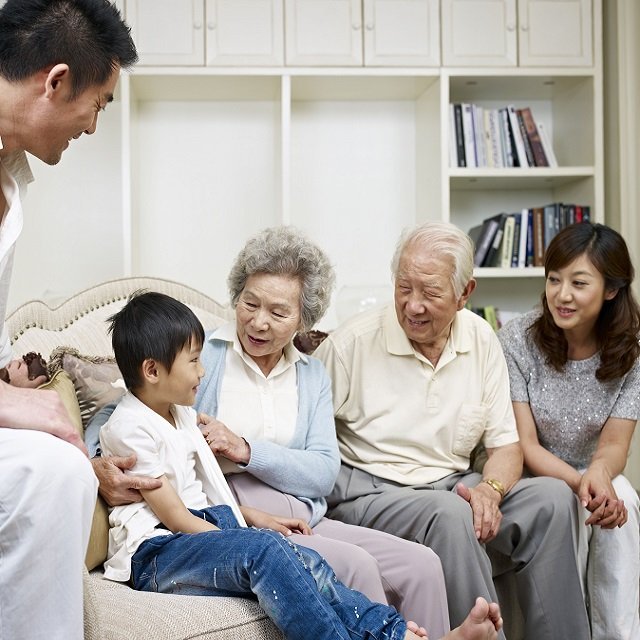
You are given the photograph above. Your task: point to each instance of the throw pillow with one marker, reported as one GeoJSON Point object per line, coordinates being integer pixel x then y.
{"type": "Point", "coordinates": [97, 380]}
{"type": "Point", "coordinates": [99, 538]}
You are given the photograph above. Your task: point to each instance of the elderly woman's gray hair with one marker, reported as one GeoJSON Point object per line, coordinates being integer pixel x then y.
{"type": "Point", "coordinates": [286, 251]}
{"type": "Point", "coordinates": [442, 239]}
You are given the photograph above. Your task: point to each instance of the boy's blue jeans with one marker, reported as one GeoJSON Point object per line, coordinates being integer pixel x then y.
{"type": "Point", "coordinates": [295, 586]}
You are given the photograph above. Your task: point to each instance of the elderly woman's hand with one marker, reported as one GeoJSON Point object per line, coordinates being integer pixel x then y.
{"type": "Point", "coordinates": [222, 441]}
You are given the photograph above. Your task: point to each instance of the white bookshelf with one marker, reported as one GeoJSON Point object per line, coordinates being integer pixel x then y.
{"type": "Point", "coordinates": [193, 158]}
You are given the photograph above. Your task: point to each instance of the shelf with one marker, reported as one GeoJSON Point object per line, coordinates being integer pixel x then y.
{"type": "Point", "coordinates": [516, 178]}
{"type": "Point", "coordinates": [495, 272]}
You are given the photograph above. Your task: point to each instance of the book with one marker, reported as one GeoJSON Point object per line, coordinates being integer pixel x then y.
{"type": "Point", "coordinates": [469, 135]}
{"type": "Point", "coordinates": [453, 149]}
{"type": "Point", "coordinates": [493, 255]}
{"type": "Point", "coordinates": [519, 154]}
{"type": "Point", "coordinates": [517, 218]}
{"type": "Point", "coordinates": [538, 237]}
{"type": "Point", "coordinates": [524, 227]}
{"type": "Point", "coordinates": [529, 253]}
{"type": "Point", "coordinates": [460, 155]}
{"type": "Point", "coordinates": [525, 140]}
{"type": "Point", "coordinates": [549, 223]}
{"type": "Point", "coordinates": [506, 250]}
{"type": "Point", "coordinates": [537, 150]}
{"type": "Point", "coordinates": [505, 138]}
{"type": "Point", "coordinates": [494, 146]}
{"type": "Point", "coordinates": [477, 115]}
{"type": "Point", "coordinates": [482, 236]}
{"type": "Point", "coordinates": [546, 145]}
{"type": "Point", "coordinates": [491, 317]}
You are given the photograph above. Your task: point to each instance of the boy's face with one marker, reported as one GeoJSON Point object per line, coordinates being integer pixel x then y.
{"type": "Point", "coordinates": [180, 385]}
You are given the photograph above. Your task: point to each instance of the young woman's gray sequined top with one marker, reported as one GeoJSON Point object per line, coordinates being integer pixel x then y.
{"type": "Point", "coordinates": [569, 407]}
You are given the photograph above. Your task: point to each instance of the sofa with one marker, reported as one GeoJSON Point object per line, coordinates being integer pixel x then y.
{"type": "Point", "coordinates": [73, 338]}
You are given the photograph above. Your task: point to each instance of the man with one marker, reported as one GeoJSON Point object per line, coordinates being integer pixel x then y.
{"type": "Point", "coordinates": [59, 65]}
{"type": "Point", "coordinates": [415, 388]}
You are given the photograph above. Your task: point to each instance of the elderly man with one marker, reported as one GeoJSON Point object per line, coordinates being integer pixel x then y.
{"type": "Point", "coordinates": [415, 389]}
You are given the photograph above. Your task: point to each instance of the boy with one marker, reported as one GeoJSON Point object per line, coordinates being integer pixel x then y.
{"type": "Point", "coordinates": [175, 542]}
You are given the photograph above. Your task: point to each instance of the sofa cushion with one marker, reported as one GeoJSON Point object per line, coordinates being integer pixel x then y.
{"type": "Point", "coordinates": [99, 539]}
{"type": "Point", "coordinates": [96, 379]}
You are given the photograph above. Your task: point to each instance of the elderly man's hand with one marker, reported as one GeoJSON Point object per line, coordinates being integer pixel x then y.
{"type": "Point", "coordinates": [485, 504]}
{"type": "Point", "coordinates": [116, 487]}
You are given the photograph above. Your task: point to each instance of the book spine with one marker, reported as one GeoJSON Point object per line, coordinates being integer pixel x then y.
{"type": "Point", "coordinates": [525, 140]}
{"type": "Point", "coordinates": [506, 137]}
{"type": "Point", "coordinates": [538, 237]}
{"type": "Point", "coordinates": [549, 227]}
{"type": "Point", "coordinates": [522, 251]}
{"type": "Point", "coordinates": [491, 260]}
{"type": "Point", "coordinates": [489, 229]}
{"type": "Point", "coordinates": [533, 136]}
{"type": "Point", "coordinates": [477, 114]}
{"type": "Point", "coordinates": [520, 156]}
{"type": "Point", "coordinates": [516, 240]}
{"type": "Point", "coordinates": [469, 136]}
{"type": "Point", "coordinates": [507, 242]}
{"type": "Point", "coordinates": [529, 258]}
{"type": "Point", "coordinates": [546, 145]}
{"type": "Point", "coordinates": [457, 109]}
{"type": "Point", "coordinates": [453, 150]}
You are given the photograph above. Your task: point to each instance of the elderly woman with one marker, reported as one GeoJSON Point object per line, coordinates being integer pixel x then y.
{"type": "Point", "coordinates": [266, 412]}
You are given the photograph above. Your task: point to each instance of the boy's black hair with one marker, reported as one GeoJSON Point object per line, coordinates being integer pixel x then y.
{"type": "Point", "coordinates": [151, 326]}
{"type": "Point", "coordinates": [88, 35]}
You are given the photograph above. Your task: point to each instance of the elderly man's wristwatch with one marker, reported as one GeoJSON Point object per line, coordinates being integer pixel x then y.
{"type": "Point", "coordinates": [495, 484]}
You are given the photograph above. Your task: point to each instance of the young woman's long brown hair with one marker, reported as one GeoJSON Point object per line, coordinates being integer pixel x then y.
{"type": "Point", "coordinates": [618, 325]}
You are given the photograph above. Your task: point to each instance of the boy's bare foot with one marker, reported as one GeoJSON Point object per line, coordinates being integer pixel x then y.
{"type": "Point", "coordinates": [483, 623]}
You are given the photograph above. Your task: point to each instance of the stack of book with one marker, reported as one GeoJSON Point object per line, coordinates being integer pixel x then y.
{"type": "Point", "coordinates": [497, 318]}
{"type": "Point", "coordinates": [520, 239]}
{"type": "Point", "coordinates": [497, 138]}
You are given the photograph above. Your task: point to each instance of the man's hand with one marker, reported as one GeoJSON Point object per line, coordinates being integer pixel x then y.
{"type": "Point", "coordinates": [485, 504]}
{"type": "Point", "coordinates": [286, 526]}
{"type": "Point", "coordinates": [19, 375]}
{"type": "Point", "coordinates": [117, 487]}
{"type": "Point", "coordinates": [38, 411]}
{"type": "Point", "coordinates": [222, 441]}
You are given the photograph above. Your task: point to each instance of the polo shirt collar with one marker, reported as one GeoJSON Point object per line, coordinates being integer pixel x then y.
{"type": "Point", "coordinates": [398, 344]}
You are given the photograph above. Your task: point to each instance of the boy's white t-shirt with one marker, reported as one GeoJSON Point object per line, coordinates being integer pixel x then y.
{"type": "Point", "coordinates": [180, 453]}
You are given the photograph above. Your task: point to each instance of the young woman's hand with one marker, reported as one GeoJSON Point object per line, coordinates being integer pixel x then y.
{"type": "Point", "coordinates": [598, 496]}
{"type": "Point", "coordinates": [286, 526]}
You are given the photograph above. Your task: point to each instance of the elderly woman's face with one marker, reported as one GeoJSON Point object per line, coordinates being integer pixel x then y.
{"type": "Point", "coordinates": [268, 316]}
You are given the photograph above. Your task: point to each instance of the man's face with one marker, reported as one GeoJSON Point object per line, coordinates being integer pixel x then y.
{"type": "Point", "coordinates": [60, 119]}
{"type": "Point", "coordinates": [425, 301]}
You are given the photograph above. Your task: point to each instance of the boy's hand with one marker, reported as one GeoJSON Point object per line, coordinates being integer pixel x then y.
{"type": "Point", "coordinates": [286, 526]}
{"type": "Point", "coordinates": [117, 487]}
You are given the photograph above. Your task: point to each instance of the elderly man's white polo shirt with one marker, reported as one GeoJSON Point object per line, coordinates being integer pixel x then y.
{"type": "Point", "coordinates": [398, 417]}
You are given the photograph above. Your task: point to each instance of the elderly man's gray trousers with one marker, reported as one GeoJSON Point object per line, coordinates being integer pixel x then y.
{"type": "Point", "coordinates": [536, 542]}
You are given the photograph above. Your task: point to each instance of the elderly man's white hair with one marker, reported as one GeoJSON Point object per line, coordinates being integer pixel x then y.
{"type": "Point", "coordinates": [441, 239]}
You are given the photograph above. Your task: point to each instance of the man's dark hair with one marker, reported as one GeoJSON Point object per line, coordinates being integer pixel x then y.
{"type": "Point", "coordinates": [151, 326]}
{"type": "Point", "coordinates": [88, 35]}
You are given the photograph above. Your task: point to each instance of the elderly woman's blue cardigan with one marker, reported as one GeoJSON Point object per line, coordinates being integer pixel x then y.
{"type": "Point", "coordinates": [308, 467]}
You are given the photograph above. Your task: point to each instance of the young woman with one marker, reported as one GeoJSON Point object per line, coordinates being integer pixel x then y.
{"type": "Point", "coordinates": [574, 370]}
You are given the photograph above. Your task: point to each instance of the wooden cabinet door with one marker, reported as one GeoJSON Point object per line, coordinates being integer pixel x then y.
{"type": "Point", "coordinates": [401, 33]}
{"type": "Point", "coordinates": [555, 33]}
{"type": "Point", "coordinates": [323, 32]}
{"type": "Point", "coordinates": [479, 33]}
{"type": "Point", "coordinates": [167, 32]}
{"type": "Point", "coordinates": [245, 32]}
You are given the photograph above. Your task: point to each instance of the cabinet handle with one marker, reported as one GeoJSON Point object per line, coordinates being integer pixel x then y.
{"type": "Point", "coordinates": [356, 26]}
{"type": "Point", "coordinates": [524, 27]}
{"type": "Point", "coordinates": [370, 26]}
{"type": "Point", "coordinates": [197, 25]}
{"type": "Point", "coordinates": [211, 26]}
{"type": "Point", "coordinates": [511, 27]}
